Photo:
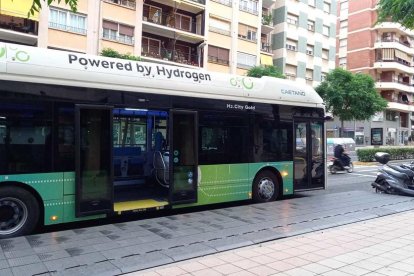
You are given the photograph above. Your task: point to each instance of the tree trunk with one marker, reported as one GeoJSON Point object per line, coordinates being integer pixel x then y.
{"type": "Point", "coordinates": [341, 133]}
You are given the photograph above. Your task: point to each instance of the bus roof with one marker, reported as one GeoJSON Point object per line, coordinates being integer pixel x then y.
{"type": "Point", "coordinates": [39, 65]}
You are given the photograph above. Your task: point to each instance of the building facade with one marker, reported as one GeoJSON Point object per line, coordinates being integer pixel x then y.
{"type": "Point", "coordinates": [217, 35]}
{"type": "Point", "coordinates": [385, 51]}
{"type": "Point", "coordinates": [303, 39]}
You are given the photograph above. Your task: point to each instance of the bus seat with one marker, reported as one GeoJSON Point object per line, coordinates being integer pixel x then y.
{"type": "Point", "coordinates": [161, 169]}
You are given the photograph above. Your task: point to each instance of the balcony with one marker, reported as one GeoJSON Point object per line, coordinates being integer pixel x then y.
{"type": "Point", "coordinates": [267, 23]}
{"type": "Point", "coordinates": [124, 3]}
{"type": "Point", "coordinates": [170, 56]}
{"type": "Point", "coordinates": [192, 6]}
{"type": "Point", "coordinates": [171, 25]}
{"type": "Point", "coordinates": [265, 47]}
{"type": "Point", "coordinates": [394, 44]}
{"type": "Point", "coordinates": [18, 30]}
{"type": "Point", "coordinates": [394, 85]}
{"type": "Point", "coordinates": [268, 3]}
{"type": "Point", "coordinates": [395, 64]}
{"type": "Point", "coordinates": [393, 27]}
{"type": "Point", "coordinates": [224, 2]}
{"type": "Point", "coordinates": [400, 106]}
{"type": "Point", "coordinates": [121, 39]}
{"type": "Point", "coordinates": [67, 28]}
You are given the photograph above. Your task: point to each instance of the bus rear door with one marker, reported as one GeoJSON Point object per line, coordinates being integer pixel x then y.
{"type": "Point", "coordinates": [94, 170]}
{"type": "Point", "coordinates": [183, 157]}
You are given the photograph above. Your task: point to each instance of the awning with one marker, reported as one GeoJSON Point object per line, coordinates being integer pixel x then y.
{"type": "Point", "coordinates": [401, 55]}
{"type": "Point", "coordinates": [17, 8]}
{"type": "Point", "coordinates": [387, 54]}
{"type": "Point", "coordinates": [266, 60]}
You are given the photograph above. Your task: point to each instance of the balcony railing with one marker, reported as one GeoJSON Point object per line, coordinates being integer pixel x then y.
{"type": "Point", "coordinates": [72, 29]}
{"type": "Point", "coordinates": [125, 3]}
{"type": "Point", "coordinates": [249, 9]}
{"type": "Point", "coordinates": [403, 62]}
{"type": "Point", "coordinates": [219, 31]}
{"type": "Point", "coordinates": [19, 27]}
{"type": "Point", "coordinates": [224, 2]}
{"type": "Point", "coordinates": [168, 54]}
{"type": "Point", "coordinates": [199, 1]}
{"type": "Point", "coordinates": [396, 81]}
{"type": "Point", "coordinates": [170, 20]}
{"type": "Point", "coordinates": [123, 39]}
{"type": "Point", "coordinates": [265, 47]}
{"type": "Point", "coordinates": [405, 43]}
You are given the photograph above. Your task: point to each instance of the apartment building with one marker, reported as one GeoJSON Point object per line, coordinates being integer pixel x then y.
{"type": "Point", "coordinates": [217, 35]}
{"type": "Point", "coordinates": [385, 51]}
{"type": "Point", "coordinates": [303, 38]}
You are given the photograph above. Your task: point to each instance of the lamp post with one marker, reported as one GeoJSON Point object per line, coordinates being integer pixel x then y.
{"type": "Point", "coordinates": [398, 129]}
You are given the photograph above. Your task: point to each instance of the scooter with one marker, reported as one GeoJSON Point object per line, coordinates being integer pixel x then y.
{"type": "Point", "coordinates": [334, 166]}
{"type": "Point", "coordinates": [392, 179]}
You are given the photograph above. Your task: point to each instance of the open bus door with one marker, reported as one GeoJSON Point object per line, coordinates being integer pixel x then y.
{"type": "Point", "coordinates": [183, 164]}
{"type": "Point", "coordinates": [309, 153]}
{"type": "Point", "coordinates": [94, 170]}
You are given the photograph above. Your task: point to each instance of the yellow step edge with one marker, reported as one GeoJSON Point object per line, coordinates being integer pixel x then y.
{"type": "Point", "coordinates": [138, 204]}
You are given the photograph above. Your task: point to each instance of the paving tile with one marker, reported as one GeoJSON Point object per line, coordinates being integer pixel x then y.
{"type": "Point", "coordinates": [29, 270]}
{"type": "Point", "coordinates": [139, 262]}
{"type": "Point", "coordinates": [32, 259]}
{"type": "Point", "coordinates": [227, 269]}
{"type": "Point", "coordinates": [192, 266]}
{"type": "Point", "coordinates": [263, 270]}
{"type": "Point", "coordinates": [4, 264]}
{"type": "Point", "coordinates": [53, 255]}
{"type": "Point", "coordinates": [6, 272]}
{"type": "Point", "coordinates": [187, 252]}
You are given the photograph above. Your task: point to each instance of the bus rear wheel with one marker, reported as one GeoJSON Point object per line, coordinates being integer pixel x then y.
{"type": "Point", "coordinates": [19, 212]}
{"type": "Point", "coordinates": [265, 187]}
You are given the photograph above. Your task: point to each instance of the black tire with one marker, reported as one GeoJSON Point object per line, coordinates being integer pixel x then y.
{"type": "Point", "coordinates": [332, 169]}
{"type": "Point", "coordinates": [265, 187]}
{"type": "Point", "coordinates": [19, 212]}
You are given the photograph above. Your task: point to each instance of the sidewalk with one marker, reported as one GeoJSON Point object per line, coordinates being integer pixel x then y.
{"type": "Point", "coordinates": [381, 246]}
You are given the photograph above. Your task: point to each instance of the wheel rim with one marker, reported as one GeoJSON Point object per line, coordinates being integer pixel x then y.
{"type": "Point", "coordinates": [266, 188]}
{"type": "Point", "coordinates": [13, 215]}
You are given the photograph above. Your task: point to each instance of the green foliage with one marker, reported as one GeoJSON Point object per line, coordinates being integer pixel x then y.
{"type": "Point", "coordinates": [37, 5]}
{"type": "Point", "coordinates": [400, 11]}
{"type": "Point", "coordinates": [266, 19]}
{"type": "Point", "coordinates": [108, 52]}
{"type": "Point", "coordinates": [396, 153]}
{"type": "Point", "coordinates": [267, 70]}
{"type": "Point", "coordinates": [350, 96]}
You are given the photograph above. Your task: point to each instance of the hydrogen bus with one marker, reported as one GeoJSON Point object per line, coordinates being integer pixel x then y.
{"type": "Point", "coordinates": [86, 137]}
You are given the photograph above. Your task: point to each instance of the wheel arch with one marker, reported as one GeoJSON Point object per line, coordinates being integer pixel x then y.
{"type": "Point", "coordinates": [275, 172]}
{"type": "Point", "coordinates": [31, 190]}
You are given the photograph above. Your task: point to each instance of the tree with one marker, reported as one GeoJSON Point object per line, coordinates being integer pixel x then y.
{"type": "Point", "coordinates": [37, 4]}
{"type": "Point", "coordinates": [350, 96]}
{"type": "Point", "coordinates": [266, 70]}
{"type": "Point", "coordinates": [108, 52]}
{"type": "Point", "coordinates": [400, 11]}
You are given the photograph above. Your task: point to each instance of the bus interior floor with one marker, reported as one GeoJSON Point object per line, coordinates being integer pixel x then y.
{"type": "Point", "coordinates": [125, 193]}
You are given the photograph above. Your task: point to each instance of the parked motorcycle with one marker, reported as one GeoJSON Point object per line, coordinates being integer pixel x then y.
{"type": "Point", "coordinates": [393, 179]}
{"type": "Point", "coordinates": [334, 166]}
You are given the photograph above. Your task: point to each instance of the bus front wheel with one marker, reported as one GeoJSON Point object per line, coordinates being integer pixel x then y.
{"type": "Point", "coordinates": [265, 187]}
{"type": "Point", "coordinates": [19, 212]}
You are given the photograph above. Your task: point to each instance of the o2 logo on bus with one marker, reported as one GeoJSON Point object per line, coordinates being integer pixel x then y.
{"type": "Point", "coordinates": [19, 55]}
{"type": "Point", "coordinates": [247, 83]}
{"type": "Point", "coordinates": [2, 52]}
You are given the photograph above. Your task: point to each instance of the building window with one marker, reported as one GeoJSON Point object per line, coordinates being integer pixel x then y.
{"type": "Point", "coordinates": [325, 54]}
{"type": "Point", "coordinates": [220, 26]}
{"type": "Point", "coordinates": [344, 7]}
{"type": "Point", "coordinates": [343, 43]}
{"type": "Point", "coordinates": [325, 30]}
{"type": "Point", "coordinates": [249, 6]}
{"type": "Point", "coordinates": [290, 72]}
{"type": "Point", "coordinates": [309, 49]}
{"type": "Point", "coordinates": [118, 32]}
{"type": "Point", "coordinates": [151, 47]}
{"type": "Point", "coordinates": [342, 62]}
{"type": "Point", "coordinates": [309, 76]}
{"type": "Point", "coordinates": [291, 45]}
{"type": "Point", "coordinates": [311, 3]}
{"type": "Point", "coordinates": [224, 2]}
{"type": "Point", "coordinates": [326, 7]}
{"type": "Point", "coordinates": [245, 60]}
{"type": "Point", "coordinates": [247, 32]}
{"type": "Point", "coordinates": [67, 21]}
{"type": "Point", "coordinates": [292, 19]}
{"type": "Point", "coordinates": [311, 25]}
{"type": "Point", "coordinates": [218, 55]}
{"type": "Point", "coordinates": [125, 3]}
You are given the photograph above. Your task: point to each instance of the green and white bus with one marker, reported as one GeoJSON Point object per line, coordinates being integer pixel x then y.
{"type": "Point", "coordinates": [85, 137]}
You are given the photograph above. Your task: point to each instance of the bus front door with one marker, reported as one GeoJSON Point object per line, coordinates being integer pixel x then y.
{"type": "Point", "coordinates": [309, 165]}
{"type": "Point", "coordinates": [183, 157]}
{"type": "Point", "coordinates": [94, 176]}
